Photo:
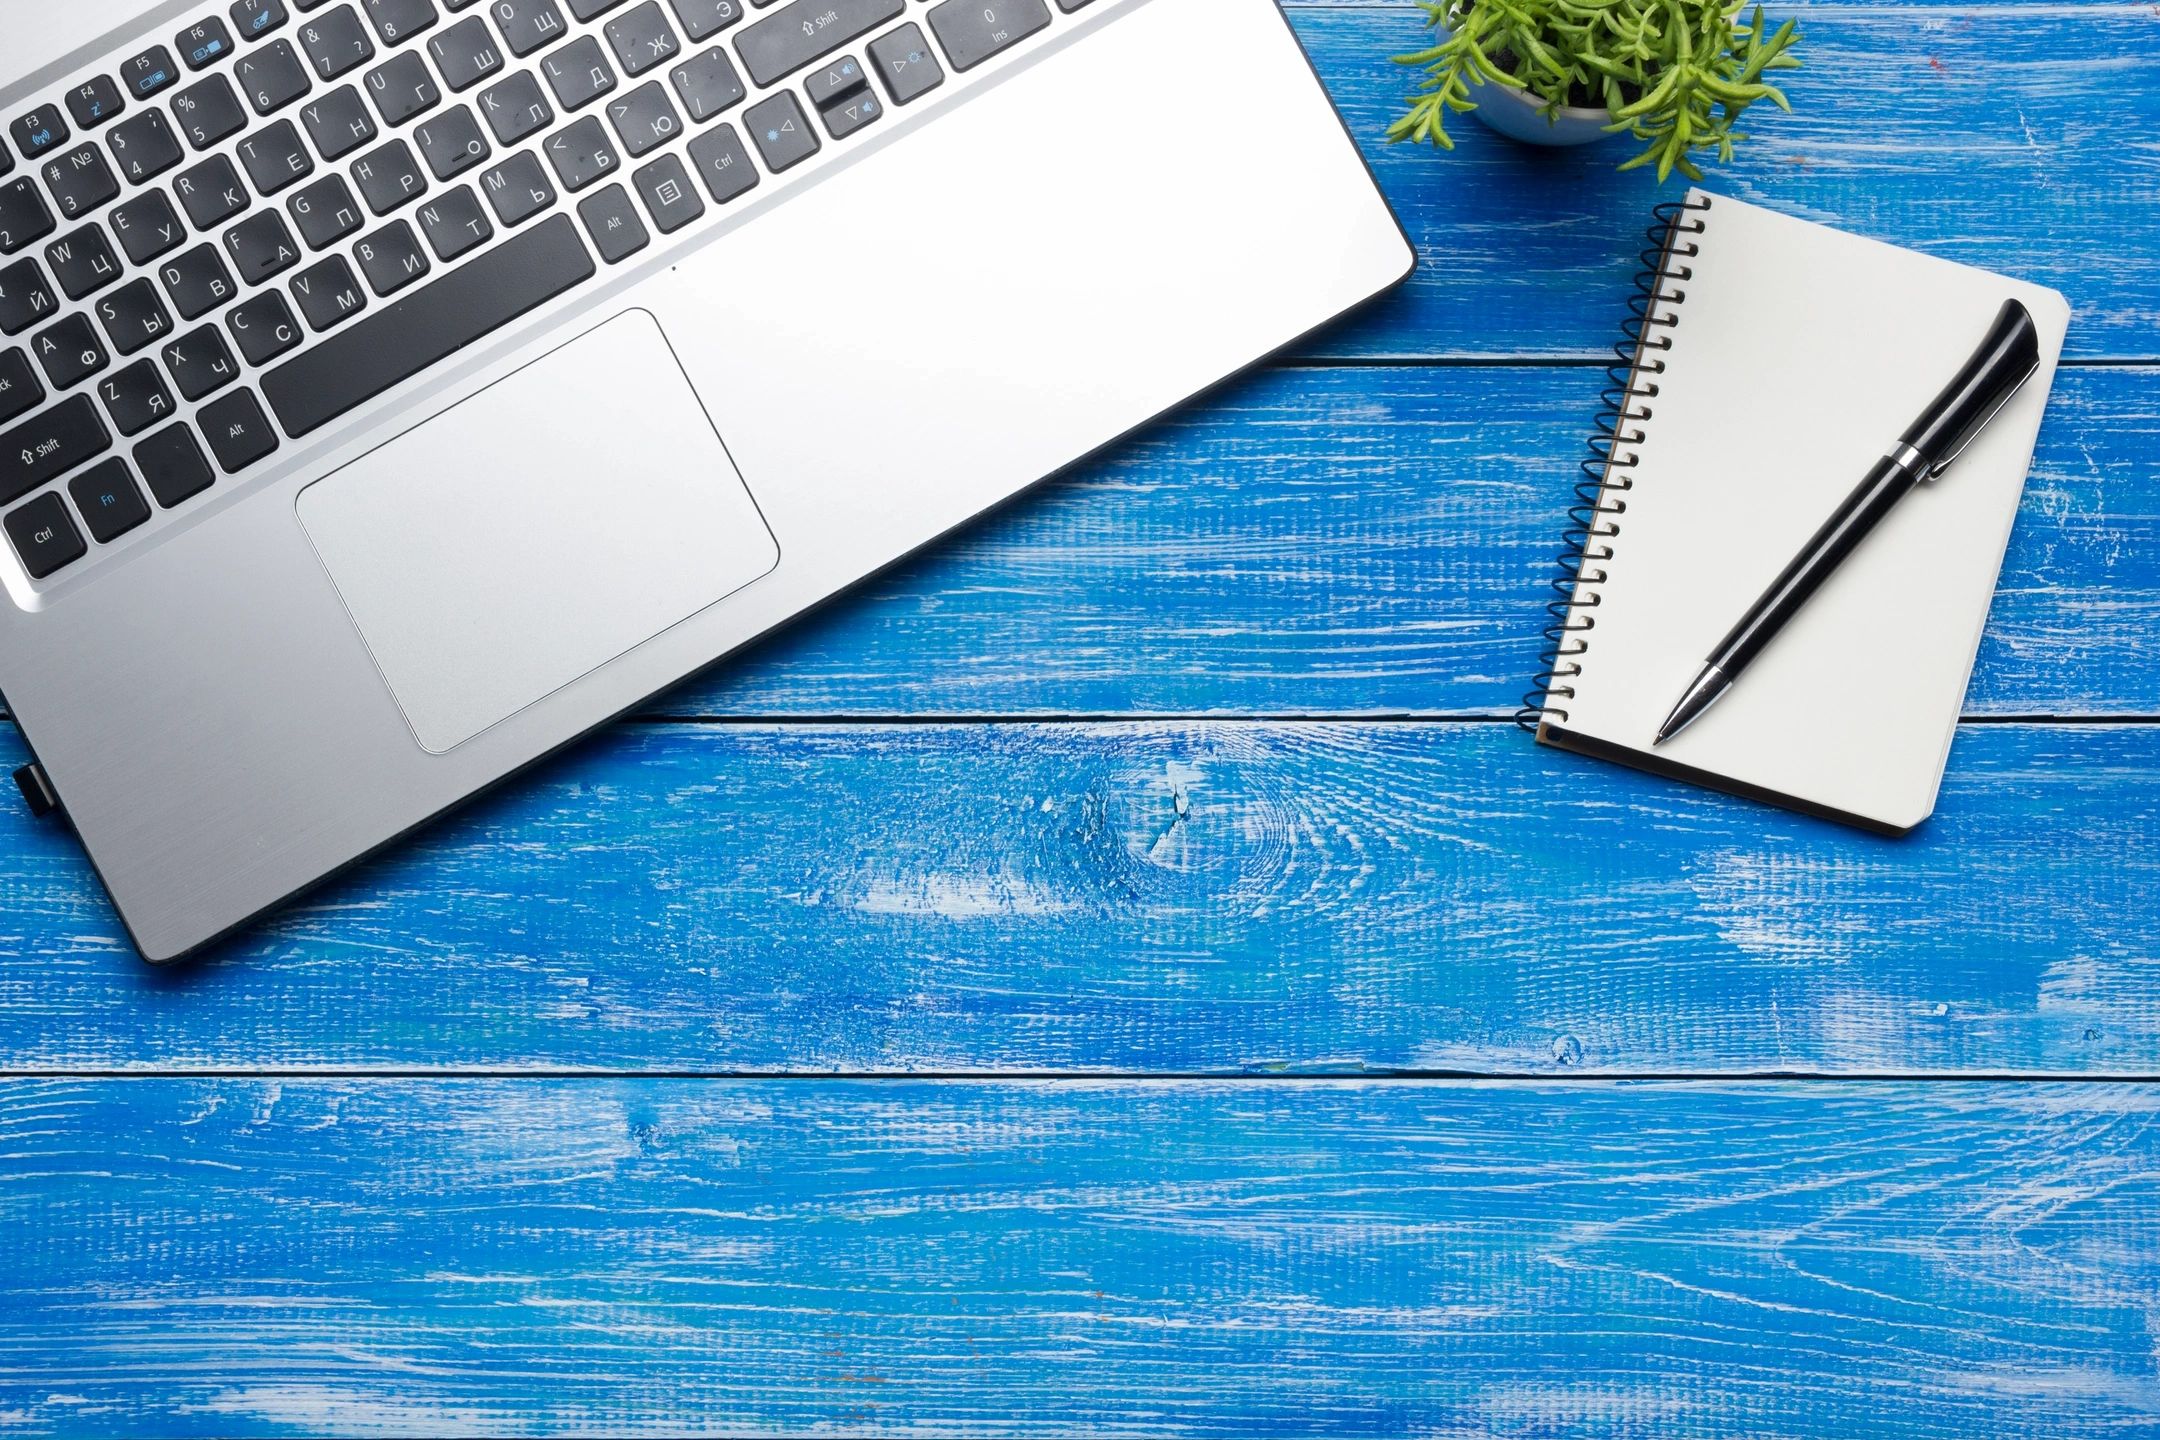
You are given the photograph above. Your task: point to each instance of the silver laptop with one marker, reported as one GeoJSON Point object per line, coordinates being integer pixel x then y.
{"type": "Point", "coordinates": [392, 391]}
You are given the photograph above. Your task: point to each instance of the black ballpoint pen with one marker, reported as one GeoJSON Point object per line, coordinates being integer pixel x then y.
{"type": "Point", "coordinates": [2005, 360]}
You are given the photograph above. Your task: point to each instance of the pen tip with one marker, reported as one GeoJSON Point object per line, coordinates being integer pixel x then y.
{"type": "Point", "coordinates": [1700, 696]}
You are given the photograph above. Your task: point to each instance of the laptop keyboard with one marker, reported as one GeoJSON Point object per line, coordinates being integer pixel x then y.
{"type": "Point", "coordinates": [266, 219]}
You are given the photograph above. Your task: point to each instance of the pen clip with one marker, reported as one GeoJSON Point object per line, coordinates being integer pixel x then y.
{"type": "Point", "coordinates": [1932, 471]}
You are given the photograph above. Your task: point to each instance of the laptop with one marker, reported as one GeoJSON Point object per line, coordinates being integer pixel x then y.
{"type": "Point", "coordinates": [393, 391]}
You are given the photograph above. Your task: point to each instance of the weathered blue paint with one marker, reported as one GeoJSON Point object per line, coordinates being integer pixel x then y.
{"type": "Point", "coordinates": [2015, 136]}
{"type": "Point", "coordinates": [661, 1251]}
{"type": "Point", "coordinates": [1162, 898]}
{"type": "Point", "coordinates": [1671, 1262]}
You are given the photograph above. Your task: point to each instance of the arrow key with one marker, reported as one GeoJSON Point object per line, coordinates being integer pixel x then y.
{"type": "Point", "coordinates": [781, 131]}
{"type": "Point", "coordinates": [903, 60]}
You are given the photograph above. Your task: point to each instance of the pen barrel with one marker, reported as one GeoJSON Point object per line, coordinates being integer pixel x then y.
{"type": "Point", "coordinates": [1859, 513]}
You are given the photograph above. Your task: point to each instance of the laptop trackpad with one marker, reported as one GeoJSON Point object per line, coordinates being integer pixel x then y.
{"type": "Point", "coordinates": [532, 533]}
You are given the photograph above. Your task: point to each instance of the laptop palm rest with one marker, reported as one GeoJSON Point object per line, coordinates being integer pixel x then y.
{"type": "Point", "coordinates": [537, 530]}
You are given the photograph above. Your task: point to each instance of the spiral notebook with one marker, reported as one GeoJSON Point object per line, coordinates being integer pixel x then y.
{"type": "Point", "coordinates": [1766, 365]}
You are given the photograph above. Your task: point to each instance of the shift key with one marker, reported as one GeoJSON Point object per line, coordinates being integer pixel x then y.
{"type": "Point", "coordinates": [48, 444]}
{"type": "Point", "coordinates": [794, 35]}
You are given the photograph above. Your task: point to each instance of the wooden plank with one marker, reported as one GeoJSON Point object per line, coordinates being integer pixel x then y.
{"type": "Point", "coordinates": [1158, 898]}
{"type": "Point", "coordinates": [1379, 541]}
{"type": "Point", "coordinates": [2012, 136]}
{"type": "Point", "coordinates": [249, 1257]}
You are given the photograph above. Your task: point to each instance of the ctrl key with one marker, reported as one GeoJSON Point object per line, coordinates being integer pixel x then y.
{"type": "Point", "coordinates": [45, 536]}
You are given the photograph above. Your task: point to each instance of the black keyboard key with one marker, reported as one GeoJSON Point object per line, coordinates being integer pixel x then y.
{"type": "Point", "coordinates": [438, 319]}
{"type": "Point", "coordinates": [391, 258]}
{"type": "Point", "coordinates": [95, 101]}
{"type": "Point", "coordinates": [256, 18]}
{"type": "Point", "coordinates": [781, 131]}
{"type": "Point", "coordinates": [850, 113]}
{"type": "Point", "coordinates": [261, 246]}
{"type": "Point", "coordinates": [516, 108]}
{"type": "Point", "coordinates": [974, 30]}
{"type": "Point", "coordinates": [903, 61]}
{"type": "Point", "coordinates": [667, 192]}
{"type": "Point", "coordinates": [451, 143]}
{"type": "Point", "coordinates": [641, 38]}
{"type": "Point", "coordinates": [49, 444]}
{"type": "Point", "coordinates": [329, 293]}
{"type": "Point", "coordinates": [147, 226]}
{"type": "Point", "coordinates": [263, 327]}
{"type": "Point", "coordinates": [613, 223]}
{"type": "Point", "coordinates": [197, 280]}
{"type": "Point", "coordinates": [591, 9]}
{"type": "Point", "coordinates": [400, 20]}
{"type": "Point", "coordinates": [578, 74]}
{"type": "Point", "coordinates": [201, 363]}
{"type": "Point", "coordinates": [276, 157]}
{"type": "Point", "coordinates": [172, 465]}
{"type": "Point", "coordinates": [527, 24]}
{"type": "Point", "coordinates": [325, 211]}
{"type": "Point", "coordinates": [20, 391]}
{"type": "Point", "coordinates": [136, 397]}
{"type": "Point", "coordinates": [466, 53]}
{"type": "Point", "coordinates": [134, 316]}
{"type": "Point", "coordinates": [40, 131]}
{"type": "Point", "coordinates": [719, 157]}
{"type": "Point", "coordinates": [80, 180]}
{"type": "Point", "coordinates": [388, 176]}
{"type": "Point", "coordinates": [581, 154]}
{"type": "Point", "coordinates": [238, 431]}
{"type": "Point", "coordinates": [335, 42]}
{"type": "Point", "coordinates": [338, 122]}
{"type": "Point", "coordinates": [518, 189]}
{"type": "Point", "coordinates": [707, 84]}
{"type": "Point", "coordinates": [110, 504]}
{"type": "Point", "coordinates": [26, 297]}
{"type": "Point", "coordinates": [211, 192]}
{"type": "Point", "coordinates": [834, 80]}
{"type": "Point", "coordinates": [23, 216]}
{"type": "Point", "coordinates": [149, 72]}
{"type": "Point", "coordinates": [644, 119]}
{"type": "Point", "coordinates": [402, 88]}
{"type": "Point", "coordinates": [144, 146]}
{"type": "Point", "coordinates": [83, 263]}
{"type": "Point", "coordinates": [208, 111]}
{"type": "Point", "coordinates": [205, 42]}
{"type": "Point", "coordinates": [796, 34]}
{"type": "Point", "coordinates": [272, 77]}
{"type": "Point", "coordinates": [454, 223]}
{"type": "Point", "coordinates": [703, 19]}
{"type": "Point", "coordinates": [45, 536]}
{"type": "Point", "coordinates": [69, 350]}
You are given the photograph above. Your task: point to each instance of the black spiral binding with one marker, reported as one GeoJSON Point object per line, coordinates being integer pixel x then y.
{"type": "Point", "coordinates": [1587, 542]}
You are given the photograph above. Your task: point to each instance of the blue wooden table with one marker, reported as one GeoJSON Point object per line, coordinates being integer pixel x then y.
{"type": "Point", "coordinates": [1124, 974]}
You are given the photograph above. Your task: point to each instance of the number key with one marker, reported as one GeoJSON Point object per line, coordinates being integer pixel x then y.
{"type": "Point", "coordinates": [208, 111]}
{"type": "Point", "coordinates": [974, 30]}
{"type": "Point", "coordinates": [23, 216]}
{"type": "Point", "coordinates": [272, 77]}
{"type": "Point", "coordinates": [80, 180]}
{"type": "Point", "coordinates": [335, 42]}
{"type": "Point", "coordinates": [397, 20]}
{"type": "Point", "coordinates": [145, 146]}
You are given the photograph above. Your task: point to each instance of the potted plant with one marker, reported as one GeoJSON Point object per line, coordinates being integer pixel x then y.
{"type": "Point", "coordinates": [1675, 74]}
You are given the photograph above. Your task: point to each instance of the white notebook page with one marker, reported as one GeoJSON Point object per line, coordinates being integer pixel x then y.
{"type": "Point", "coordinates": [1800, 355]}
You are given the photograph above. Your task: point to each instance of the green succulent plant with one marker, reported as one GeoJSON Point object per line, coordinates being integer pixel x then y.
{"type": "Point", "coordinates": [1675, 74]}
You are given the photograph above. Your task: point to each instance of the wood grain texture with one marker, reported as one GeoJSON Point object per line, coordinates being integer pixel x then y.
{"type": "Point", "coordinates": [242, 1257]}
{"type": "Point", "coordinates": [2011, 136]}
{"type": "Point", "coordinates": [1159, 898]}
{"type": "Point", "coordinates": [1379, 541]}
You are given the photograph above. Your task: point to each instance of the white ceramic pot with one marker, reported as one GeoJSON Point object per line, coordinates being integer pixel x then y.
{"type": "Point", "coordinates": [1518, 115]}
